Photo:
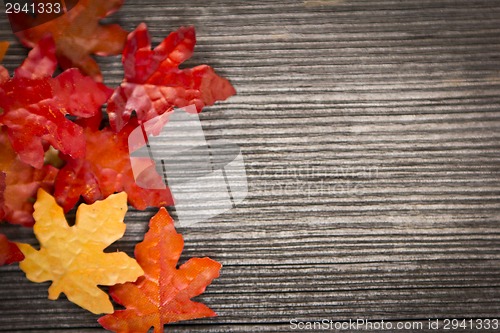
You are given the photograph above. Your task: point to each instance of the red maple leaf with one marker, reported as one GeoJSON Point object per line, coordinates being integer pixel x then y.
{"type": "Point", "coordinates": [104, 170]}
{"type": "Point", "coordinates": [163, 295]}
{"type": "Point", "coordinates": [35, 106]}
{"type": "Point", "coordinates": [153, 82]}
{"type": "Point", "coordinates": [9, 252]}
{"type": "Point", "coordinates": [20, 184]}
{"type": "Point", "coordinates": [78, 34]}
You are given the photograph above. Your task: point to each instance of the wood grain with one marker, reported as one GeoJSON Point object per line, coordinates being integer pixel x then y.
{"type": "Point", "coordinates": [370, 132]}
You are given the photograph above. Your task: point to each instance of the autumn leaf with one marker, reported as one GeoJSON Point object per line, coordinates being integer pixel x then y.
{"type": "Point", "coordinates": [35, 106]}
{"type": "Point", "coordinates": [78, 34]}
{"type": "Point", "coordinates": [153, 82]}
{"type": "Point", "coordinates": [72, 257]}
{"type": "Point", "coordinates": [9, 252]}
{"type": "Point", "coordinates": [21, 183]}
{"type": "Point", "coordinates": [163, 295]}
{"type": "Point", "coordinates": [104, 170]}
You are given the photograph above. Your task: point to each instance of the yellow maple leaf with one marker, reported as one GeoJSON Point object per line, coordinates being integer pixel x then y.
{"type": "Point", "coordinates": [72, 256]}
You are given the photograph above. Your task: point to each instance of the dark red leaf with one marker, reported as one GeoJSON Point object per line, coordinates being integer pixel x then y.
{"type": "Point", "coordinates": [9, 252]}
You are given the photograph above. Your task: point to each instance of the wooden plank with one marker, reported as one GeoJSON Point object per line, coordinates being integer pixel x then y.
{"type": "Point", "coordinates": [370, 131]}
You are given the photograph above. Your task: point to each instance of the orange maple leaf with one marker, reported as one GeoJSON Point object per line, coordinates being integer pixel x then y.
{"type": "Point", "coordinates": [73, 258]}
{"type": "Point", "coordinates": [78, 34]}
{"type": "Point", "coordinates": [163, 295]}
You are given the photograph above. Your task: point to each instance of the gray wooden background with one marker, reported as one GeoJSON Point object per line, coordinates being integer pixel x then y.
{"type": "Point", "coordinates": [371, 135]}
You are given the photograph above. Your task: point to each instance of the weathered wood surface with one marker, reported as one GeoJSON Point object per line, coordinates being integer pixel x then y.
{"type": "Point", "coordinates": [371, 134]}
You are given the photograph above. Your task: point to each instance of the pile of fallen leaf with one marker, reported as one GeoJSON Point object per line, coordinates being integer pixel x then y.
{"type": "Point", "coordinates": [56, 150]}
